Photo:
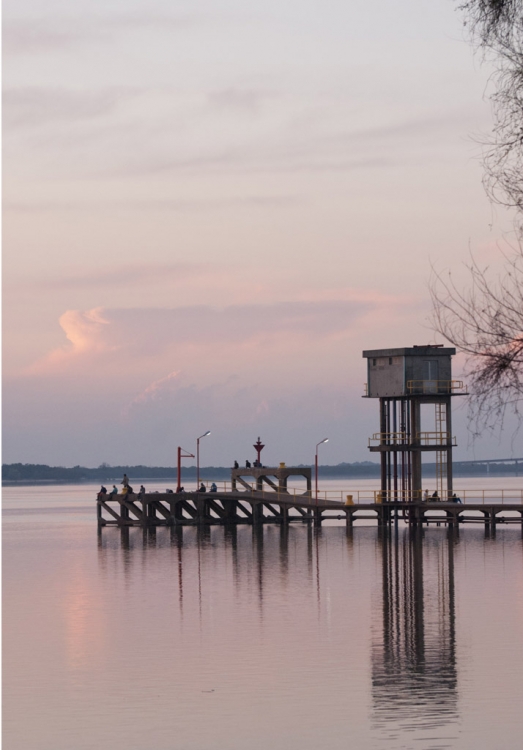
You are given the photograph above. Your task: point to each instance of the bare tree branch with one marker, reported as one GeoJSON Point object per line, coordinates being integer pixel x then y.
{"type": "Point", "coordinates": [485, 322]}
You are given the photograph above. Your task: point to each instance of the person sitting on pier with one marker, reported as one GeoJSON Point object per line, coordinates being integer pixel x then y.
{"type": "Point", "coordinates": [103, 491]}
{"type": "Point", "coordinates": [114, 491]}
{"type": "Point", "coordinates": [214, 488]}
{"type": "Point", "coordinates": [455, 498]}
{"type": "Point", "coordinates": [203, 488]}
{"type": "Point", "coordinates": [435, 497]}
{"type": "Point", "coordinates": [142, 490]}
{"type": "Point", "coordinates": [247, 464]}
{"type": "Point", "coordinates": [236, 465]}
{"type": "Point", "coordinates": [180, 489]}
{"type": "Point", "coordinates": [426, 496]}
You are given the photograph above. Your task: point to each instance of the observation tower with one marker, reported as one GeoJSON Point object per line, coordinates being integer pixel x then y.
{"type": "Point", "coordinates": [406, 381]}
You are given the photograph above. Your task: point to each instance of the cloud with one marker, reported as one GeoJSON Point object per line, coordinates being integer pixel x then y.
{"type": "Point", "coordinates": [169, 205]}
{"type": "Point", "coordinates": [34, 107]}
{"type": "Point", "coordinates": [188, 332]}
{"type": "Point", "coordinates": [56, 33]}
{"type": "Point", "coordinates": [133, 274]}
{"type": "Point", "coordinates": [247, 100]}
{"type": "Point", "coordinates": [153, 391]}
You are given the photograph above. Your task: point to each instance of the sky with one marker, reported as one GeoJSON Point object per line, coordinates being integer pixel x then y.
{"type": "Point", "coordinates": [212, 208]}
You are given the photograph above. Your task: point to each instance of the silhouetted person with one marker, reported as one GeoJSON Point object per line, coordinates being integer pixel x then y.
{"type": "Point", "coordinates": [435, 496]}
{"type": "Point", "coordinates": [142, 490]}
{"type": "Point", "coordinates": [103, 491]}
{"type": "Point", "coordinates": [214, 488]}
{"type": "Point", "coordinates": [236, 465]}
{"type": "Point", "coordinates": [455, 498]}
{"type": "Point", "coordinates": [247, 464]}
{"type": "Point", "coordinates": [203, 488]}
{"type": "Point", "coordinates": [125, 481]}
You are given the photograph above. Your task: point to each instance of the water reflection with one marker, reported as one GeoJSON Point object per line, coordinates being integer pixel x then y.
{"type": "Point", "coordinates": [413, 646]}
{"type": "Point", "coordinates": [414, 674]}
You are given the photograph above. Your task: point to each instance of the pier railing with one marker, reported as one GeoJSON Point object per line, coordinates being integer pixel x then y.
{"type": "Point", "coordinates": [369, 496]}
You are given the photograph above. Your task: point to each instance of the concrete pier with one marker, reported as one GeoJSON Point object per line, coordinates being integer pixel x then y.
{"type": "Point", "coordinates": [198, 508]}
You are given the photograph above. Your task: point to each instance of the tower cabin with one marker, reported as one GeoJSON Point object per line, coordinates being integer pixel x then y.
{"type": "Point", "coordinates": [404, 380]}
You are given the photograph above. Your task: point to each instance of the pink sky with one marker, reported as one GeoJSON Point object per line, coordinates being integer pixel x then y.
{"type": "Point", "coordinates": [210, 210]}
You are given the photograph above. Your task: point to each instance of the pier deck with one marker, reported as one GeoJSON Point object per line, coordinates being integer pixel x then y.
{"type": "Point", "coordinates": [190, 508]}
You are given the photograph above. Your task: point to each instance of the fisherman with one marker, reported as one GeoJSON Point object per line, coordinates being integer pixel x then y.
{"type": "Point", "coordinates": [114, 491]}
{"type": "Point", "coordinates": [103, 491]}
{"type": "Point", "coordinates": [426, 496]}
{"type": "Point", "coordinates": [125, 481]}
{"type": "Point", "coordinates": [455, 498]}
{"type": "Point", "coordinates": [214, 488]}
{"type": "Point", "coordinates": [247, 464]}
{"type": "Point", "coordinates": [435, 496]}
{"type": "Point", "coordinates": [142, 490]}
{"type": "Point", "coordinates": [203, 488]}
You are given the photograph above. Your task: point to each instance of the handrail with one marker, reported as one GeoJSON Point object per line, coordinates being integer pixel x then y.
{"type": "Point", "coordinates": [402, 438]}
{"type": "Point", "coordinates": [388, 437]}
{"type": "Point", "coordinates": [365, 497]}
{"type": "Point", "coordinates": [436, 386]}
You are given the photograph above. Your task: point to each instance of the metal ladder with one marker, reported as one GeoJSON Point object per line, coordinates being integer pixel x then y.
{"type": "Point", "coordinates": [441, 456]}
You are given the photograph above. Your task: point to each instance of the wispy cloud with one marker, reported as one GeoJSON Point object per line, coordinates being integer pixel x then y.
{"type": "Point", "coordinates": [54, 33]}
{"type": "Point", "coordinates": [152, 392]}
{"type": "Point", "coordinates": [129, 275]}
{"type": "Point", "coordinates": [138, 334]}
{"type": "Point", "coordinates": [35, 107]}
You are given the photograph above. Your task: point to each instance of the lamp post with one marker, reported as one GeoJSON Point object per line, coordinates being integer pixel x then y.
{"type": "Point", "coordinates": [325, 440]}
{"type": "Point", "coordinates": [198, 458]}
{"type": "Point", "coordinates": [182, 453]}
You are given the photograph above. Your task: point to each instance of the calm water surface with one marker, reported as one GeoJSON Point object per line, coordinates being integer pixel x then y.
{"type": "Point", "coordinates": [234, 639]}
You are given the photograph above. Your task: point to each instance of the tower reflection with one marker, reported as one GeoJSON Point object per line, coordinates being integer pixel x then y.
{"type": "Point", "coordinates": [414, 673]}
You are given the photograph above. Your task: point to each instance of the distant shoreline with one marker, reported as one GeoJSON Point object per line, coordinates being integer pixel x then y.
{"type": "Point", "coordinates": [44, 475]}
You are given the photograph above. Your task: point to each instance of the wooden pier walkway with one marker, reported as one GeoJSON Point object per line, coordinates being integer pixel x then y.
{"type": "Point", "coordinates": [192, 508]}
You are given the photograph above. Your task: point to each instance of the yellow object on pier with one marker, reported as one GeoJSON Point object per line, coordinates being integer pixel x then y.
{"type": "Point", "coordinates": [349, 500]}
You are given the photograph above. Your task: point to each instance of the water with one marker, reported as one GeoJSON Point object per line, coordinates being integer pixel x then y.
{"type": "Point", "coordinates": [229, 639]}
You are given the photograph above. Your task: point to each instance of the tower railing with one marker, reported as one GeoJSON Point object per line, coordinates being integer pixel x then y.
{"type": "Point", "coordinates": [434, 438]}
{"type": "Point", "coordinates": [439, 387]}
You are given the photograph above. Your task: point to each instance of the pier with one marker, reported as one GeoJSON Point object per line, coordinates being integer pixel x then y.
{"type": "Point", "coordinates": [283, 507]}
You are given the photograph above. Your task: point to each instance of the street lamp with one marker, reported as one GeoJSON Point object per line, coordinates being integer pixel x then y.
{"type": "Point", "coordinates": [325, 440]}
{"type": "Point", "coordinates": [198, 458]}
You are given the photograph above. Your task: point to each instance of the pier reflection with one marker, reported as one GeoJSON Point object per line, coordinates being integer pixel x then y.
{"type": "Point", "coordinates": [414, 674]}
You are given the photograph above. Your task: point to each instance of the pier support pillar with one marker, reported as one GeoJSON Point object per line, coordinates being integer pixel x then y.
{"type": "Point", "coordinates": [257, 513]}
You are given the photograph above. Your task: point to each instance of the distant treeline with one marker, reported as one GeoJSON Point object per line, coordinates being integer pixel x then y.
{"type": "Point", "coordinates": [113, 474]}
{"type": "Point", "coordinates": [106, 473]}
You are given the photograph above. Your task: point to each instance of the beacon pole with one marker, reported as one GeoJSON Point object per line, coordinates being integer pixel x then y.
{"type": "Point", "coordinates": [325, 440]}
{"type": "Point", "coordinates": [182, 453]}
{"type": "Point", "coordinates": [198, 458]}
